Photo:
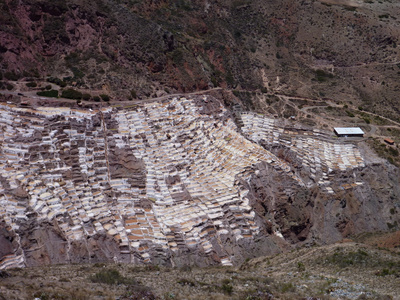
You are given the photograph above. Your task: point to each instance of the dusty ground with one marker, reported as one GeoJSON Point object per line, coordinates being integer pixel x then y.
{"type": "Point", "coordinates": [348, 270]}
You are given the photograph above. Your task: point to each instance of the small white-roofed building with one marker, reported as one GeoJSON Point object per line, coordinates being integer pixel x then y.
{"type": "Point", "coordinates": [349, 131]}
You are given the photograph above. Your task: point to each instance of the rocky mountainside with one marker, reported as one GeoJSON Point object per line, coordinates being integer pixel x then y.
{"type": "Point", "coordinates": [343, 50]}
{"type": "Point", "coordinates": [179, 167]}
{"type": "Point", "coordinates": [175, 182]}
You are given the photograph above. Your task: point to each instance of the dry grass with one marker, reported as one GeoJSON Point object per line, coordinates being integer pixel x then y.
{"type": "Point", "coordinates": [349, 270]}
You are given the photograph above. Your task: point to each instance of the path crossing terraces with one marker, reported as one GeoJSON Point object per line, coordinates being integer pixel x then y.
{"type": "Point", "coordinates": [317, 150]}
{"type": "Point", "coordinates": [160, 178]}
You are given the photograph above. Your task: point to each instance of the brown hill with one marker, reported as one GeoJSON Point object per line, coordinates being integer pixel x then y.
{"type": "Point", "coordinates": [343, 50]}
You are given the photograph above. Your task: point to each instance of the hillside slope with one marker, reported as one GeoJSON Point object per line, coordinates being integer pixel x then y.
{"type": "Point", "coordinates": [344, 50]}
{"type": "Point", "coordinates": [341, 271]}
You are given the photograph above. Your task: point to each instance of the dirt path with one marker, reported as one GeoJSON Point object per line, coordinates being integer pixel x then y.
{"type": "Point", "coordinates": [55, 101]}
{"type": "Point", "coordinates": [115, 103]}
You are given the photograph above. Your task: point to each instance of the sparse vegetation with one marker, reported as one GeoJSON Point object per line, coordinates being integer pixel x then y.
{"type": "Point", "coordinates": [111, 276]}
{"type": "Point", "coordinates": [385, 272]}
{"type": "Point", "coordinates": [385, 151]}
{"type": "Point", "coordinates": [113, 280]}
{"type": "Point", "coordinates": [287, 287]}
{"type": "Point", "coordinates": [345, 259]}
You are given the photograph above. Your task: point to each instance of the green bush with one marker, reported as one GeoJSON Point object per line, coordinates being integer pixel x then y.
{"type": "Point", "coordinates": [31, 73]}
{"type": "Point", "coordinates": [86, 96]}
{"type": "Point", "coordinates": [227, 288]}
{"type": "Point", "coordinates": [301, 267]}
{"type": "Point", "coordinates": [288, 287]}
{"type": "Point", "coordinates": [230, 80]}
{"type": "Point", "coordinates": [78, 74]}
{"type": "Point", "coordinates": [9, 86]}
{"type": "Point", "coordinates": [133, 94]}
{"type": "Point", "coordinates": [96, 98]}
{"type": "Point", "coordinates": [57, 81]}
{"type": "Point", "coordinates": [31, 84]}
{"type": "Point", "coordinates": [51, 93]}
{"type": "Point", "coordinates": [48, 87]}
{"type": "Point", "coordinates": [184, 4]}
{"type": "Point", "coordinates": [11, 76]}
{"type": "Point", "coordinates": [105, 97]}
{"type": "Point", "coordinates": [54, 29]}
{"type": "Point", "coordinates": [177, 56]}
{"type": "Point", "coordinates": [393, 151]}
{"type": "Point", "coordinates": [391, 160]}
{"type": "Point", "coordinates": [322, 76]}
{"type": "Point", "coordinates": [71, 94]}
{"type": "Point", "coordinates": [111, 276]}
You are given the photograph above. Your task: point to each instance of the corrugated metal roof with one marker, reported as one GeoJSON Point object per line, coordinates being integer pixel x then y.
{"type": "Point", "coordinates": [348, 130]}
{"type": "Point", "coordinates": [389, 141]}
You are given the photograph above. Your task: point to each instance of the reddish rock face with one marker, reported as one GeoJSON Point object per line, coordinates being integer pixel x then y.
{"type": "Point", "coordinates": [7, 241]}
